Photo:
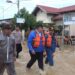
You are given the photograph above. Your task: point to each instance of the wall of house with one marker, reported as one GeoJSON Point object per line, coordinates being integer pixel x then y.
{"type": "Point", "coordinates": [58, 22]}
{"type": "Point", "coordinates": [72, 30]}
{"type": "Point", "coordinates": [69, 18]}
{"type": "Point", "coordinates": [69, 28]}
{"type": "Point", "coordinates": [42, 16]}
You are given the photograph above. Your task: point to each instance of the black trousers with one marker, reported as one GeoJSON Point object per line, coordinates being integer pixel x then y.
{"type": "Point", "coordinates": [39, 57]}
{"type": "Point", "coordinates": [18, 49]}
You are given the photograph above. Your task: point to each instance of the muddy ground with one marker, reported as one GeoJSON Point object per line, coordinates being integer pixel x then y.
{"type": "Point", "coordinates": [64, 63]}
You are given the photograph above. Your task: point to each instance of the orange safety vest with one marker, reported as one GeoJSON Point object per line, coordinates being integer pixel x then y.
{"type": "Point", "coordinates": [37, 39]}
{"type": "Point", "coordinates": [48, 41]}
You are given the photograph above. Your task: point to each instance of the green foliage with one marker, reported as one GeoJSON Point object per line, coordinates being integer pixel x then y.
{"type": "Point", "coordinates": [30, 20]}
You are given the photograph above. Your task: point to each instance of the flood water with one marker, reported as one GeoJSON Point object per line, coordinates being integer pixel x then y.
{"type": "Point", "coordinates": [64, 63]}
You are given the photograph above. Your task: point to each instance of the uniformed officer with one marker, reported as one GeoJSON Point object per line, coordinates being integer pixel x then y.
{"type": "Point", "coordinates": [7, 50]}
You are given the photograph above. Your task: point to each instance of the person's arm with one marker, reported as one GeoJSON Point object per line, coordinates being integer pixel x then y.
{"type": "Point", "coordinates": [14, 49]}
{"type": "Point", "coordinates": [57, 44]}
{"type": "Point", "coordinates": [30, 41]}
{"type": "Point", "coordinates": [22, 40]}
{"type": "Point", "coordinates": [1, 38]}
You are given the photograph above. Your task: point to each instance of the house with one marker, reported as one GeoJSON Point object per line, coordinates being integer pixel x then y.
{"type": "Point", "coordinates": [57, 17]}
{"type": "Point", "coordinates": [9, 20]}
{"type": "Point", "coordinates": [44, 14]}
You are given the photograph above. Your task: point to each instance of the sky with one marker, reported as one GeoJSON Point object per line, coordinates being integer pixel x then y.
{"type": "Point", "coordinates": [7, 10]}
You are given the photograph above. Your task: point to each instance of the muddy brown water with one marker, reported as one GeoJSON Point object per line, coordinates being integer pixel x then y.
{"type": "Point", "coordinates": [64, 63]}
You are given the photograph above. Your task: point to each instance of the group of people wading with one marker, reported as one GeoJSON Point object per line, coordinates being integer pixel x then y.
{"type": "Point", "coordinates": [39, 41]}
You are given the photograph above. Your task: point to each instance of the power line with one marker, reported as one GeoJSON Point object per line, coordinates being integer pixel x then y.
{"type": "Point", "coordinates": [7, 8]}
{"type": "Point", "coordinates": [4, 10]}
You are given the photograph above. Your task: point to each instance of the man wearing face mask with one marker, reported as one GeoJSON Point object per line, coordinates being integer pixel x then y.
{"type": "Point", "coordinates": [7, 50]}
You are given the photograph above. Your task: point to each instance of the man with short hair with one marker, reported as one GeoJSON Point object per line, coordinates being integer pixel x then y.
{"type": "Point", "coordinates": [36, 42]}
{"type": "Point", "coordinates": [7, 50]}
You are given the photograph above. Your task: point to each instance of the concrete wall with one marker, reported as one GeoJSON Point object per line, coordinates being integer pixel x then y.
{"type": "Point", "coordinates": [42, 16]}
{"type": "Point", "coordinates": [69, 17]}
{"type": "Point", "coordinates": [58, 22]}
{"type": "Point", "coordinates": [72, 30]}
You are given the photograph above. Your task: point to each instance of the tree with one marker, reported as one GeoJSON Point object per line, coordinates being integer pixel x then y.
{"type": "Point", "coordinates": [30, 20]}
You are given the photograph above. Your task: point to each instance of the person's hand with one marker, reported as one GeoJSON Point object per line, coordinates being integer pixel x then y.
{"type": "Point", "coordinates": [33, 52]}
{"type": "Point", "coordinates": [44, 53]}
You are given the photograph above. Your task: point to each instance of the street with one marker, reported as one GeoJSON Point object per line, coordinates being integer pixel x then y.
{"type": "Point", "coordinates": [64, 63]}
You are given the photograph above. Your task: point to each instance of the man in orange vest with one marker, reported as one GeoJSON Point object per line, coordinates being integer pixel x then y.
{"type": "Point", "coordinates": [36, 42]}
{"type": "Point", "coordinates": [50, 46]}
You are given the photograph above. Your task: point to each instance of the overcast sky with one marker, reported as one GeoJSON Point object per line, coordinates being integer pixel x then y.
{"type": "Point", "coordinates": [8, 9]}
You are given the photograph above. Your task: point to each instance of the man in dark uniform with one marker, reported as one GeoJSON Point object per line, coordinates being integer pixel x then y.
{"type": "Point", "coordinates": [7, 50]}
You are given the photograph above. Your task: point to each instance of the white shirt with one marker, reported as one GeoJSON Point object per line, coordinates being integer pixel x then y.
{"type": "Point", "coordinates": [39, 33]}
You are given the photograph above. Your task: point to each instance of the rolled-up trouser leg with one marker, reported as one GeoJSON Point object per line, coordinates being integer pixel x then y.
{"type": "Point", "coordinates": [10, 69]}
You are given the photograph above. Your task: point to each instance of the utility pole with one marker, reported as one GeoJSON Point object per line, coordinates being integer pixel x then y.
{"type": "Point", "coordinates": [18, 6]}
{"type": "Point", "coordinates": [63, 33]}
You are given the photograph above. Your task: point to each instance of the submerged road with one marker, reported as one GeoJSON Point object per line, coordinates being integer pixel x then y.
{"type": "Point", "coordinates": [64, 63]}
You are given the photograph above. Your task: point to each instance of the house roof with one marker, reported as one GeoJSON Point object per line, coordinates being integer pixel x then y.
{"type": "Point", "coordinates": [53, 10]}
{"type": "Point", "coordinates": [46, 9]}
{"type": "Point", "coordinates": [67, 9]}
{"type": "Point", "coordinates": [6, 19]}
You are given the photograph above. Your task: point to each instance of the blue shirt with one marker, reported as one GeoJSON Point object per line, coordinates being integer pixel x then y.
{"type": "Point", "coordinates": [53, 44]}
{"type": "Point", "coordinates": [32, 35]}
